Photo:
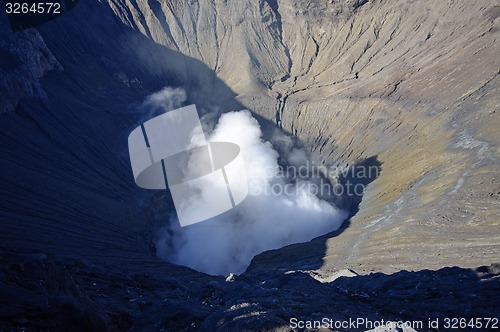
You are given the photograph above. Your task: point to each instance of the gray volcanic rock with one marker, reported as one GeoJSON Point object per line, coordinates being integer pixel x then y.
{"type": "Point", "coordinates": [25, 59]}
{"type": "Point", "coordinates": [41, 293]}
{"type": "Point", "coordinates": [409, 87]}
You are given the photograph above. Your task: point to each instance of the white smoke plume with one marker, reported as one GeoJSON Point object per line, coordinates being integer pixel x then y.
{"type": "Point", "coordinates": [165, 100]}
{"type": "Point", "coordinates": [277, 211]}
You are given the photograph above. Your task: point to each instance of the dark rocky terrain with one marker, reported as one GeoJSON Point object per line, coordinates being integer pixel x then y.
{"type": "Point", "coordinates": [412, 86]}
{"type": "Point", "coordinates": [40, 293]}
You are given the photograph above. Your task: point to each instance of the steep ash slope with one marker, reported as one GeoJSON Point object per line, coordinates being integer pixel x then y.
{"type": "Point", "coordinates": [70, 101]}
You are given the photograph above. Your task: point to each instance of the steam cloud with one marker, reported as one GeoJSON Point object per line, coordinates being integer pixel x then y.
{"type": "Point", "coordinates": [269, 218]}
{"type": "Point", "coordinates": [162, 101]}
